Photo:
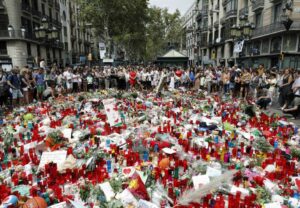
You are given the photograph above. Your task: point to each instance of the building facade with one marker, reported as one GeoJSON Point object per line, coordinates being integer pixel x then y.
{"type": "Point", "coordinates": [189, 25]}
{"type": "Point", "coordinates": [32, 30]}
{"type": "Point", "coordinates": [269, 41]}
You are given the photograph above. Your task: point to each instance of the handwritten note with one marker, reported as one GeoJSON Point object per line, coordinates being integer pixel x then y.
{"type": "Point", "coordinates": [112, 114]}
{"type": "Point", "coordinates": [57, 157]}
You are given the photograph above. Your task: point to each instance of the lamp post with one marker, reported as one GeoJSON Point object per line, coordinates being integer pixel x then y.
{"type": "Point", "coordinates": [242, 32]}
{"type": "Point", "coordinates": [46, 34]}
{"type": "Point", "coordinates": [10, 30]}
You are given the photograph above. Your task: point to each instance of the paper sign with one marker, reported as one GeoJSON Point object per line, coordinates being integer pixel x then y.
{"type": "Point", "coordinates": [67, 133]}
{"type": "Point", "coordinates": [112, 114]}
{"type": "Point", "coordinates": [29, 146]}
{"type": "Point", "coordinates": [108, 191]}
{"type": "Point", "coordinates": [57, 157]}
{"type": "Point", "coordinates": [235, 189]}
{"type": "Point", "coordinates": [200, 180]}
{"type": "Point", "coordinates": [146, 204]}
{"type": "Point", "coordinates": [59, 205]}
{"type": "Point", "coordinates": [168, 150]}
{"type": "Point", "coordinates": [127, 198]}
{"type": "Point", "coordinates": [212, 172]}
{"type": "Point", "coordinates": [272, 205]}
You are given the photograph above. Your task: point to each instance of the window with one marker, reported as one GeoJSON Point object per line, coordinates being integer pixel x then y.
{"type": "Point", "coordinates": [258, 20]}
{"type": "Point", "coordinates": [64, 16]}
{"type": "Point", "coordinates": [50, 13]}
{"type": "Point", "coordinates": [43, 9]}
{"type": "Point", "coordinates": [276, 45]}
{"type": "Point", "coordinates": [34, 5]}
{"type": "Point", "coordinates": [3, 49]}
{"type": "Point", "coordinates": [265, 46]}
{"type": "Point", "coordinates": [28, 49]}
{"type": "Point", "coordinates": [231, 5]}
{"type": "Point", "coordinates": [256, 48]}
{"type": "Point", "coordinates": [56, 15]}
{"type": "Point", "coordinates": [290, 42]}
{"type": "Point", "coordinates": [65, 31]}
{"type": "Point", "coordinates": [277, 12]}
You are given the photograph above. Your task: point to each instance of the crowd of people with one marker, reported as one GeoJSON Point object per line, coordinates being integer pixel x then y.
{"type": "Point", "coordinates": [264, 87]}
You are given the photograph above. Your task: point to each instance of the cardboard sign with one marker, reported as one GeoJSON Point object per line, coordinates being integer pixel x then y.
{"type": "Point", "coordinates": [108, 191]}
{"type": "Point", "coordinates": [113, 116]}
{"type": "Point", "coordinates": [57, 157]}
{"type": "Point", "coordinates": [200, 180]}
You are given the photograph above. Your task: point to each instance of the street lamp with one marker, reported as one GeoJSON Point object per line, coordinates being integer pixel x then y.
{"type": "Point", "coordinates": [233, 31]}
{"type": "Point", "coordinates": [23, 31]}
{"type": "Point", "coordinates": [10, 30]}
{"type": "Point", "coordinates": [45, 23]}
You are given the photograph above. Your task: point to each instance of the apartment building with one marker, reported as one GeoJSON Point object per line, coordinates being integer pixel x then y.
{"type": "Point", "coordinates": [32, 30]}
{"type": "Point", "coordinates": [189, 25]}
{"type": "Point", "coordinates": [260, 24]}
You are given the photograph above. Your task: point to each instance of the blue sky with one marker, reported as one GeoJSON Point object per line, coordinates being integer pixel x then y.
{"type": "Point", "coordinates": [172, 5]}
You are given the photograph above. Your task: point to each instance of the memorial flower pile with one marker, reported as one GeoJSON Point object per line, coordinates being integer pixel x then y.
{"type": "Point", "coordinates": [179, 149]}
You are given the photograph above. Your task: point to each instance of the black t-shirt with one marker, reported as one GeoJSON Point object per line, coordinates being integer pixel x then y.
{"type": "Point", "coordinates": [15, 80]}
{"type": "Point", "coordinates": [23, 85]}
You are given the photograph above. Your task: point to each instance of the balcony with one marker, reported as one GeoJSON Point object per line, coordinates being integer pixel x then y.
{"type": "Point", "coordinates": [203, 44]}
{"type": "Point", "coordinates": [16, 35]}
{"type": "Point", "coordinates": [217, 7]}
{"type": "Point", "coordinates": [269, 29]}
{"type": "Point", "coordinates": [57, 7]}
{"type": "Point", "coordinates": [244, 12]}
{"type": "Point", "coordinates": [222, 20]}
{"type": "Point", "coordinates": [26, 8]}
{"type": "Point", "coordinates": [56, 22]}
{"type": "Point", "coordinates": [257, 5]}
{"type": "Point", "coordinates": [36, 13]}
{"type": "Point", "coordinates": [3, 52]}
{"type": "Point", "coordinates": [231, 14]}
{"type": "Point", "coordinates": [224, 2]}
{"type": "Point", "coordinates": [204, 28]}
{"type": "Point", "coordinates": [216, 24]}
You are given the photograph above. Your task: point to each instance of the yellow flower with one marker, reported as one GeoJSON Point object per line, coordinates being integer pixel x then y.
{"type": "Point", "coordinates": [133, 184]}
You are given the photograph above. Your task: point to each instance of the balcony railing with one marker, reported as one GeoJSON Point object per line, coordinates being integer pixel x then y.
{"type": "Point", "coordinates": [222, 20]}
{"type": "Point", "coordinates": [244, 12]}
{"type": "Point", "coordinates": [57, 6]}
{"type": "Point", "coordinates": [231, 13]}
{"type": "Point", "coordinates": [36, 13]}
{"type": "Point", "coordinates": [258, 4]}
{"type": "Point", "coordinates": [204, 28]}
{"type": "Point", "coordinates": [50, 2]}
{"type": "Point", "coordinates": [265, 30]}
{"type": "Point", "coordinates": [216, 24]}
{"type": "Point", "coordinates": [16, 34]}
{"type": "Point", "coordinates": [26, 8]}
{"type": "Point", "coordinates": [224, 2]}
{"type": "Point", "coordinates": [3, 52]}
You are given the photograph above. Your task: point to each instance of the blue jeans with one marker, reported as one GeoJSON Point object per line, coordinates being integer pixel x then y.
{"type": "Point", "coordinates": [226, 88]}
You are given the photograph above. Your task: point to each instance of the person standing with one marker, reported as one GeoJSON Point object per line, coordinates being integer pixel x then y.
{"type": "Point", "coordinates": [197, 80]}
{"type": "Point", "coordinates": [3, 88]}
{"type": "Point", "coordinates": [14, 82]}
{"type": "Point", "coordinates": [225, 80]}
{"type": "Point", "coordinates": [68, 76]}
{"type": "Point", "coordinates": [285, 88]}
{"type": "Point", "coordinates": [245, 83]}
{"type": "Point", "coordinates": [40, 84]}
{"type": "Point", "coordinates": [25, 86]}
{"type": "Point", "coordinates": [132, 78]}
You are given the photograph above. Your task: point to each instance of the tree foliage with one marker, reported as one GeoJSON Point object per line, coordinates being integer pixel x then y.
{"type": "Point", "coordinates": [163, 29]}
{"type": "Point", "coordinates": [143, 31]}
